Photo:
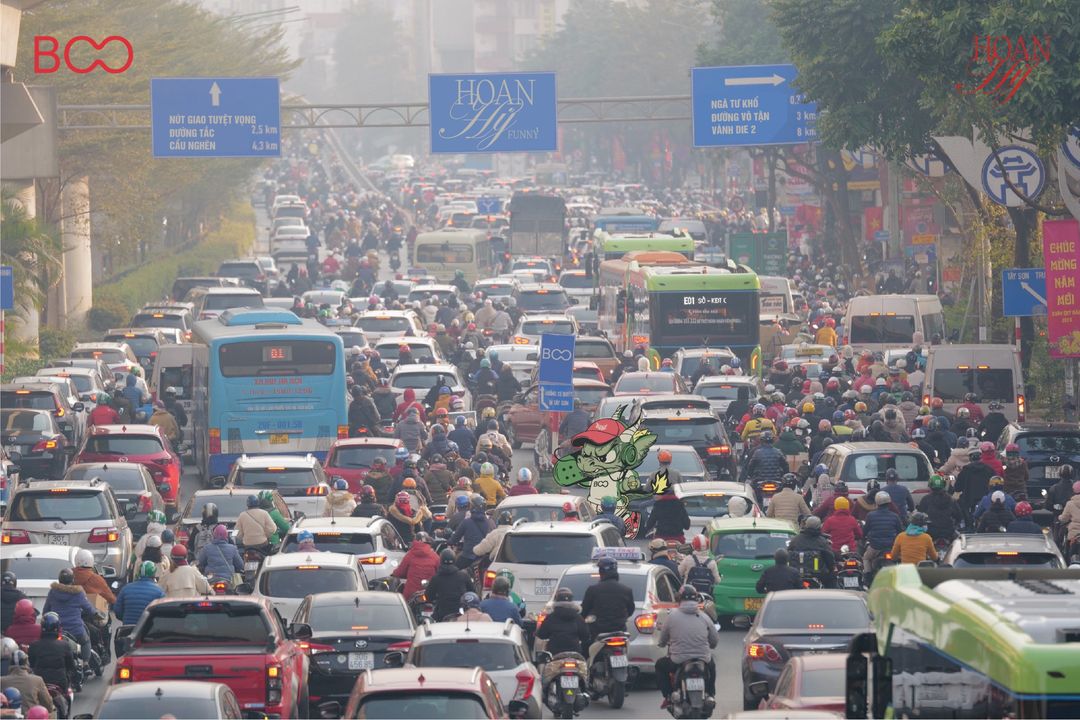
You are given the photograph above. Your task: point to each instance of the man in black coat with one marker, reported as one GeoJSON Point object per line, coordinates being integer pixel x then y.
{"type": "Point", "coordinates": [9, 595]}
{"type": "Point", "coordinates": [973, 482]}
{"type": "Point", "coordinates": [780, 576]}
{"type": "Point", "coordinates": [668, 516]}
{"type": "Point", "coordinates": [449, 583]}
{"type": "Point", "coordinates": [611, 602]}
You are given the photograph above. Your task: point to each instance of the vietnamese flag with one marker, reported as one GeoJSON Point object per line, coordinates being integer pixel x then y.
{"type": "Point", "coordinates": [873, 221]}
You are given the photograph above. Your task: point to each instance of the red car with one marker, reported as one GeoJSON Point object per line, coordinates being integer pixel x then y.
{"type": "Point", "coordinates": [809, 682]}
{"type": "Point", "coordinates": [146, 445]}
{"type": "Point", "coordinates": [351, 458]}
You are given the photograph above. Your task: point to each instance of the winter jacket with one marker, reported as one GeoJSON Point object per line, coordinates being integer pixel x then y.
{"type": "Point", "coordinates": [956, 461]}
{"type": "Point", "coordinates": [1071, 515]}
{"type": "Point", "coordinates": [611, 602]}
{"type": "Point", "coordinates": [1016, 476]}
{"type": "Point", "coordinates": [862, 506]}
{"type": "Point", "coordinates": [465, 439]}
{"type": "Point", "coordinates": [382, 482]}
{"type": "Point", "coordinates": [501, 609]}
{"type": "Point", "coordinates": [565, 630]}
{"type": "Point", "coordinates": [1023, 526]}
{"type": "Point", "coordinates": [439, 480]}
{"type": "Point", "coordinates": [408, 400]}
{"type": "Point", "coordinates": [992, 426]}
{"type": "Point", "coordinates": [779, 577]}
{"type": "Point", "coordinates": [991, 460]}
{"type": "Point", "coordinates": [133, 599]}
{"type": "Point", "coordinates": [881, 528]}
{"type": "Point", "coordinates": [1059, 494]}
{"type": "Point", "coordinates": [339, 503]}
{"type": "Point", "coordinates": [901, 497]}
{"type": "Point", "coordinates": [412, 433]}
{"type": "Point", "coordinates": [131, 392]}
{"type": "Point", "coordinates": [985, 503]}
{"type": "Point", "coordinates": [668, 517]}
{"type": "Point", "coordinates": [404, 523]}
{"type": "Point", "coordinates": [522, 489]}
{"type": "Point", "coordinates": [103, 415]}
{"type": "Point", "coordinates": [418, 564]}
{"type": "Point", "coordinates": [614, 520]}
{"type": "Point", "coordinates": [913, 546]}
{"type": "Point", "coordinates": [471, 531]}
{"type": "Point", "coordinates": [255, 527]}
{"type": "Point", "coordinates": [490, 488]}
{"type": "Point", "coordinates": [910, 411]}
{"type": "Point", "coordinates": [368, 510]}
{"type": "Point", "coordinates": [490, 541]}
{"type": "Point", "coordinates": [24, 628]}
{"type": "Point", "coordinates": [53, 660]}
{"type": "Point", "coordinates": [185, 581]}
{"type": "Point", "coordinates": [698, 558]}
{"type": "Point", "coordinates": [788, 505]}
{"type": "Point", "coordinates": [69, 602]}
{"type": "Point", "coordinates": [92, 583]}
{"type": "Point", "coordinates": [445, 589]}
{"type": "Point", "coordinates": [842, 529]}
{"type": "Point", "coordinates": [689, 634]}
{"type": "Point", "coordinates": [8, 597]}
{"type": "Point", "coordinates": [219, 558]}
{"type": "Point", "coordinates": [943, 513]}
{"type": "Point", "coordinates": [31, 686]}
{"type": "Point", "coordinates": [994, 519]}
{"type": "Point", "coordinates": [972, 483]}
{"type": "Point", "coordinates": [810, 540]}
{"type": "Point", "coordinates": [767, 464]}
{"type": "Point", "coordinates": [164, 420]}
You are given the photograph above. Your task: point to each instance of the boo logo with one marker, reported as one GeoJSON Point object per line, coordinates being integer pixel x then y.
{"type": "Point", "coordinates": [556, 354]}
{"type": "Point", "coordinates": [48, 58]}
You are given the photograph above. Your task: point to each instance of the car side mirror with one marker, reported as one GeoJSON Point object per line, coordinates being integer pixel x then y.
{"type": "Point", "coordinates": [394, 659]}
{"type": "Point", "coordinates": [78, 407]}
{"type": "Point", "coordinates": [741, 621]}
{"type": "Point", "coordinates": [300, 631]}
{"type": "Point", "coordinates": [243, 589]}
{"type": "Point", "coordinates": [542, 657]}
{"type": "Point", "coordinates": [759, 689]}
{"type": "Point", "coordinates": [330, 709]}
{"type": "Point", "coordinates": [217, 482]}
{"type": "Point", "coordinates": [122, 643]}
{"type": "Point", "coordinates": [518, 709]}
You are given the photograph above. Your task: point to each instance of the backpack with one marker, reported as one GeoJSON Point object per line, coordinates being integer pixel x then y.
{"type": "Point", "coordinates": [700, 577]}
{"type": "Point", "coordinates": [205, 536]}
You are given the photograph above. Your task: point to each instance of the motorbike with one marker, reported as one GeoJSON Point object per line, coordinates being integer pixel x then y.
{"type": "Point", "coordinates": [688, 699]}
{"type": "Point", "coordinates": [610, 668]}
{"type": "Point", "coordinates": [422, 610]}
{"type": "Point", "coordinates": [808, 563]}
{"type": "Point", "coordinates": [221, 585]}
{"type": "Point", "coordinates": [765, 489]}
{"type": "Point", "coordinates": [62, 700]}
{"type": "Point", "coordinates": [253, 557]}
{"type": "Point", "coordinates": [84, 669]}
{"type": "Point", "coordinates": [849, 574]}
{"type": "Point", "coordinates": [564, 693]}
{"type": "Point", "coordinates": [100, 641]}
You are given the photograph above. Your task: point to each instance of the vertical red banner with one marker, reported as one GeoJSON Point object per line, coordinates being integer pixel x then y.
{"type": "Point", "coordinates": [873, 221]}
{"type": "Point", "coordinates": [1061, 251]}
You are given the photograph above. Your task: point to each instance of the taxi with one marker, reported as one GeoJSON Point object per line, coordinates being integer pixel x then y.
{"type": "Point", "coordinates": [743, 548]}
{"type": "Point", "coordinates": [531, 327]}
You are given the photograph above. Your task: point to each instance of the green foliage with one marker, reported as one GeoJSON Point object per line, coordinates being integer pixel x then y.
{"type": "Point", "coordinates": [746, 36]}
{"type": "Point", "coordinates": [56, 343]}
{"type": "Point", "coordinates": [107, 313]}
{"type": "Point", "coordinates": [16, 367]}
{"type": "Point", "coordinates": [31, 249]}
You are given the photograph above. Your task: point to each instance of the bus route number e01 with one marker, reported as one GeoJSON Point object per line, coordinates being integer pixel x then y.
{"type": "Point", "coordinates": [691, 300]}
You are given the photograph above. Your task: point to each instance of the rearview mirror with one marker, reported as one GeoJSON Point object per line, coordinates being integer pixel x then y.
{"type": "Point", "coordinates": [122, 642]}
{"type": "Point", "coordinates": [300, 631]}
{"type": "Point", "coordinates": [243, 589]}
{"type": "Point", "coordinates": [217, 482]}
{"type": "Point", "coordinates": [78, 407]}
{"type": "Point", "coordinates": [741, 621]}
{"type": "Point", "coordinates": [759, 689]}
{"type": "Point", "coordinates": [108, 572]}
{"type": "Point", "coordinates": [542, 657]}
{"type": "Point", "coordinates": [394, 659]}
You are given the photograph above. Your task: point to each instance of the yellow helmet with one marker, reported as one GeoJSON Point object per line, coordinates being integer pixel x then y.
{"type": "Point", "coordinates": [807, 407]}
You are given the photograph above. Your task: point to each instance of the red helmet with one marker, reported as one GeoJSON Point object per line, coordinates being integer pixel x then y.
{"type": "Point", "coordinates": [664, 456]}
{"type": "Point", "coordinates": [470, 326]}
{"type": "Point", "coordinates": [780, 366]}
{"type": "Point", "coordinates": [1012, 449]}
{"type": "Point", "coordinates": [569, 509]}
{"type": "Point", "coordinates": [1022, 509]}
{"type": "Point", "coordinates": [699, 543]}
{"type": "Point", "coordinates": [442, 412]}
{"type": "Point", "coordinates": [830, 322]}
{"type": "Point", "coordinates": [178, 551]}
{"type": "Point", "coordinates": [937, 403]}
{"type": "Point", "coordinates": [806, 386]}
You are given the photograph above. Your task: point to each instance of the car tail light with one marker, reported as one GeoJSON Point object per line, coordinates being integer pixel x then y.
{"type": "Point", "coordinates": [15, 537]}
{"type": "Point", "coordinates": [215, 441]}
{"type": "Point", "coordinates": [1021, 407]}
{"type": "Point", "coordinates": [317, 490]}
{"type": "Point", "coordinates": [525, 682]}
{"type": "Point", "coordinates": [645, 623]}
{"type": "Point", "coordinates": [720, 450]}
{"type": "Point", "coordinates": [926, 399]}
{"type": "Point", "coordinates": [373, 560]}
{"type": "Point", "coordinates": [104, 534]}
{"type": "Point", "coordinates": [759, 651]}
{"type": "Point", "coordinates": [273, 684]}
{"type": "Point", "coordinates": [44, 445]}
{"type": "Point", "coordinates": [489, 577]}
{"type": "Point", "coordinates": [403, 646]}
{"type": "Point", "coordinates": [123, 674]}
{"type": "Point", "coordinates": [312, 648]}
{"type": "Point", "coordinates": [342, 432]}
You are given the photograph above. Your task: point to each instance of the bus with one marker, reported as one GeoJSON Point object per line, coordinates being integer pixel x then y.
{"type": "Point", "coordinates": [443, 252]}
{"type": "Point", "coordinates": [265, 382]}
{"type": "Point", "coordinates": [538, 225]}
{"type": "Point", "coordinates": [679, 304]}
{"type": "Point", "coordinates": [613, 247]}
{"type": "Point", "coordinates": [969, 643]}
{"type": "Point", "coordinates": [624, 220]}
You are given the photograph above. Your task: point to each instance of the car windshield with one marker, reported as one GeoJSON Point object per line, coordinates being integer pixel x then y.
{"type": "Point", "coordinates": [822, 683]}
{"type": "Point", "coordinates": [542, 301]}
{"type": "Point", "coordinates": [952, 385]}
{"type": "Point", "coordinates": [546, 549]}
{"type": "Point", "coordinates": [224, 302]}
{"type": "Point", "coordinates": [420, 380]}
{"type": "Point", "coordinates": [891, 329]}
{"type": "Point", "coordinates": [83, 383]}
{"type": "Point", "coordinates": [796, 612]}
{"type": "Point", "coordinates": [111, 357]}
{"type": "Point", "coordinates": [593, 350]}
{"type": "Point", "coordinates": [27, 567]}
{"type": "Point", "coordinates": [205, 622]}
{"type": "Point", "coordinates": [683, 460]}
{"type": "Point", "coordinates": [140, 345]}
{"type": "Point", "coordinates": [681, 431]}
{"type": "Point", "coordinates": [362, 456]}
{"type": "Point", "coordinates": [1007, 558]}
{"type": "Point", "coordinates": [709, 504]}
{"type": "Point", "coordinates": [575, 281]}
{"type": "Point", "coordinates": [579, 582]}
{"type": "Point", "coordinates": [381, 324]}
{"type": "Point", "coordinates": [123, 445]}
{"type": "Point", "coordinates": [30, 400]}
{"type": "Point", "coordinates": [349, 543]}
{"type": "Point", "coordinates": [415, 705]}
{"type": "Point", "coordinates": [420, 353]}
{"type": "Point", "coordinates": [276, 477]}
{"type": "Point", "coordinates": [659, 382]}
{"type": "Point", "coordinates": [1063, 444]}
{"type": "Point", "coordinates": [229, 505]}
{"type": "Point", "coordinates": [537, 513]}
{"type": "Point", "coordinates": [59, 504]}
{"type": "Point", "coordinates": [492, 655]}
{"type": "Point", "coordinates": [547, 327]}
{"type": "Point", "coordinates": [346, 617]}
{"type": "Point", "coordinates": [691, 364]}
{"type": "Point", "coordinates": [301, 581]}
{"type": "Point", "coordinates": [911, 468]}
{"type": "Point", "coordinates": [121, 480]}
{"type": "Point", "coordinates": [25, 421]}
{"type": "Point", "coordinates": [748, 545]}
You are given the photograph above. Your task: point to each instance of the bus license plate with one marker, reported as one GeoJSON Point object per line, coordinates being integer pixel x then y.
{"type": "Point", "coordinates": [279, 439]}
{"type": "Point", "coordinates": [752, 603]}
{"type": "Point", "coordinates": [693, 684]}
{"type": "Point", "coordinates": [361, 661]}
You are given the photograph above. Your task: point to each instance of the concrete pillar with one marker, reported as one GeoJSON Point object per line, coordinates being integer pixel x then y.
{"type": "Point", "coordinates": [24, 326]}
{"type": "Point", "coordinates": [78, 283]}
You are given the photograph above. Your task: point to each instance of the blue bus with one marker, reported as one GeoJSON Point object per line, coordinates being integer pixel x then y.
{"type": "Point", "coordinates": [265, 382]}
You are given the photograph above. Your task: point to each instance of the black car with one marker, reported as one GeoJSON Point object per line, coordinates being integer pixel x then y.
{"type": "Point", "coordinates": [132, 486]}
{"type": "Point", "coordinates": [249, 271]}
{"type": "Point", "coordinates": [46, 396]}
{"type": "Point", "coordinates": [37, 438]}
{"type": "Point", "coordinates": [798, 622]}
{"type": "Point", "coordinates": [700, 429]}
{"type": "Point", "coordinates": [351, 632]}
{"type": "Point", "coordinates": [1046, 448]}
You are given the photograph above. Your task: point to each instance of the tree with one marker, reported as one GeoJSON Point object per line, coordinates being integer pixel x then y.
{"type": "Point", "coordinates": [33, 251]}
{"type": "Point", "coordinates": [746, 35]}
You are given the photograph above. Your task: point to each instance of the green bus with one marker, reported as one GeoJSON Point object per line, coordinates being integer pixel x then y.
{"type": "Point", "coordinates": [969, 643]}
{"type": "Point", "coordinates": [664, 302]}
{"type": "Point", "coordinates": [613, 247]}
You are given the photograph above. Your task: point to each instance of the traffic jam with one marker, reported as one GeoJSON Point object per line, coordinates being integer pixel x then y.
{"type": "Point", "coordinates": [456, 438]}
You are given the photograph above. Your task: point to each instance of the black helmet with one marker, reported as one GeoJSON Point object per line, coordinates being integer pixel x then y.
{"type": "Point", "coordinates": [919, 518]}
{"type": "Point", "coordinates": [608, 567]}
{"type": "Point", "coordinates": [767, 436]}
{"type": "Point", "coordinates": [781, 556]}
{"type": "Point", "coordinates": [974, 454]}
{"type": "Point", "coordinates": [9, 579]}
{"type": "Point", "coordinates": [447, 557]}
{"type": "Point", "coordinates": [50, 623]}
{"type": "Point", "coordinates": [790, 480]}
{"type": "Point", "coordinates": [688, 592]}
{"type": "Point", "coordinates": [423, 537]}
{"type": "Point", "coordinates": [891, 474]}
{"type": "Point", "coordinates": [210, 514]}
{"type": "Point", "coordinates": [564, 595]}
{"type": "Point", "coordinates": [66, 577]}
{"type": "Point", "coordinates": [872, 486]}
{"type": "Point", "coordinates": [477, 502]}
{"type": "Point", "coordinates": [506, 518]}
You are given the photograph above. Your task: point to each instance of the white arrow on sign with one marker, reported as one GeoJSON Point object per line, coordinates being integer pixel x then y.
{"type": "Point", "coordinates": [215, 95]}
{"type": "Point", "coordinates": [774, 80]}
{"type": "Point", "coordinates": [1033, 294]}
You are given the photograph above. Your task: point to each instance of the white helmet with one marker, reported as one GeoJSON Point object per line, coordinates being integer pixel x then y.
{"type": "Point", "coordinates": [524, 475]}
{"type": "Point", "coordinates": [84, 558]}
{"type": "Point", "coordinates": [736, 507]}
{"type": "Point", "coordinates": [882, 498]}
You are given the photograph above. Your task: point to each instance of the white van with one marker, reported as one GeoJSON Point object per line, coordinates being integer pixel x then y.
{"type": "Point", "coordinates": [172, 369]}
{"type": "Point", "coordinates": [776, 298]}
{"type": "Point", "coordinates": [880, 322]}
{"type": "Point", "coordinates": [992, 372]}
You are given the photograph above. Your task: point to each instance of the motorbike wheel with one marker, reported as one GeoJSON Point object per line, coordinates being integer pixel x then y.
{"type": "Point", "coordinates": [617, 695]}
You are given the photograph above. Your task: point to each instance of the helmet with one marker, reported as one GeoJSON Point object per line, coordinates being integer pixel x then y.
{"type": "Point", "coordinates": [487, 469]}
{"type": "Point", "coordinates": [962, 412]}
{"type": "Point", "coordinates": [918, 433]}
{"type": "Point", "coordinates": [266, 498]}
{"type": "Point", "coordinates": [564, 595]}
{"type": "Point", "coordinates": [700, 543]}
{"type": "Point", "coordinates": [178, 551]}
{"type": "Point", "coordinates": [423, 537]}
{"type": "Point", "coordinates": [882, 498]}
{"type": "Point", "coordinates": [1076, 488]}
{"type": "Point", "coordinates": [524, 476]}
{"type": "Point", "coordinates": [759, 410]}
{"type": "Point", "coordinates": [401, 453]}
{"type": "Point", "coordinates": [1012, 449]}
{"type": "Point", "coordinates": [367, 493]}
{"type": "Point", "coordinates": [1065, 471]}
{"type": "Point", "coordinates": [147, 569]}
{"type": "Point", "coordinates": [156, 516]}
{"type": "Point", "coordinates": [830, 322]}
{"type": "Point", "coordinates": [66, 577]}
{"type": "Point", "coordinates": [607, 503]}
{"type": "Point", "coordinates": [736, 506]}
{"type": "Point", "coordinates": [168, 537]}
{"type": "Point", "coordinates": [892, 475]}
{"type": "Point", "coordinates": [14, 697]}
{"type": "Point", "coordinates": [50, 622]}
{"type": "Point", "coordinates": [824, 426]}
{"type": "Point", "coordinates": [9, 579]}
{"type": "Point", "coordinates": [18, 657]}
{"type": "Point", "coordinates": [37, 712]}
{"type": "Point", "coordinates": [210, 514]}
{"type": "Point", "coordinates": [919, 518]}
{"type": "Point", "coordinates": [1022, 509]}
{"type": "Point", "coordinates": [500, 587]}
{"type": "Point", "coordinates": [807, 407]}
{"type": "Point", "coordinates": [986, 446]}
{"type": "Point", "coordinates": [477, 502]}
{"type": "Point", "coordinates": [470, 600]}
{"type": "Point", "coordinates": [463, 483]}
{"type": "Point", "coordinates": [767, 437]}
{"type": "Point", "coordinates": [937, 482]}
{"type": "Point", "coordinates": [505, 518]}
{"type": "Point", "coordinates": [664, 456]}
{"type": "Point", "coordinates": [253, 500]}
{"type": "Point", "coordinates": [84, 559]}
{"type": "Point", "coordinates": [409, 483]}
{"type": "Point", "coordinates": [447, 557]}
{"type": "Point", "coordinates": [688, 593]}
{"type": "Point", "coordinates": [790, 480]}
{"type": "Point", "coordinates": [221, 532]}
{"type": "Point", "coordinates": [994, 405]}
{"type": "Point", "coordinates": [841, 503]}
{"type": "Point", "coordinates": [305, 536]}
{"type": "Point", "coordinates": [607, 567]}
{"type": "Point", "coordinates": [974, 454]}
{"type": "Point", "coordinates": [568, 508]}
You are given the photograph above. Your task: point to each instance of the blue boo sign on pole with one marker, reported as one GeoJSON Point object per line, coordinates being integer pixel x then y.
{"type": "Point", "coordinates": [215, 117]}
{"type": "Point", "coordinates": [749, 105]}
{"type": "Point", "coordinates": [556, 373]}
{"type": "Point", "coordinates": [492, 112]}
{"type": "Point", "coordinates": [1023, 292]}
{"type": "Point", "coordinates": [7, 287]}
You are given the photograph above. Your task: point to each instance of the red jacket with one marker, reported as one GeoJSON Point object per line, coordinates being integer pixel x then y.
{"type": "Point", "coordinates": [992, 460]}
{"type": "Point", "coordinates": [408, 399]}
{"type": "Point", "coordinates": [842, 529]}
{"type": "Point", "coordinates": [104, 415]}
{"type": "Point", "coordinates": [24, 628]}
{"type": "Point", "coordinates": [521, 489]}
{"type": "Point", "coordinates": [419, 564]}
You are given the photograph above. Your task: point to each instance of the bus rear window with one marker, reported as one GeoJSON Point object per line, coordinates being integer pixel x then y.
{"type": "Point", "coordinates": [951, 385]}
{"type": "Point", "coordinates": [278, 357]}
{"type": "Point", "coordinates": [882, 329]}
{"type": "Point", "coordinates": [455, 253]}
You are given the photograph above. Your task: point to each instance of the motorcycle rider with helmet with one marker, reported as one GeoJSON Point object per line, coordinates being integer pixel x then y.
{"type": "Point", "coordinates": [914, 545]}
{"type": "Point", "coordinates": [607, 512]}
{"type": "Point", "coordinates": [609, 601]}
{"type": "Point", "coordinates": [445, 588]}
{"type": "Point", "coordinates": [30, 686]}
{"type": "Point", "coordinates": [788, 504]}
{"type": "Point", "coordinates": [472, 531]}
{"type": "Point", "coordinates": [880, 529]}
{"type": "Point", "coordinates": [524, 485]}
{"type": "Point", "coordinates": [689, 634]}
{"type": "Point", "coordinates": [567, 635]}
{"type": "Point", "coordinates": [942, 512]}
{"type": "Point", "coordinates": [811, 541]}
{"type": "Point", "coordinates": [368, 506]}
{"type": "Point", "coordinates": [490, 542]}
{"type": "Point", "coordinates": [767, 464]}
{"type": "Point", "coordinates": [51, 657]}
{"type": "Point", "coordinates": [9, 595]}
{"type": "Point", "coordinates": [204, 533]}
{"type": "Point", "coordinates": [69, 601]}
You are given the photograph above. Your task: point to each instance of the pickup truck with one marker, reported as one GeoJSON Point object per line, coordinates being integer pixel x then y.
{"type": "Point", "coordinates": [238, 641]}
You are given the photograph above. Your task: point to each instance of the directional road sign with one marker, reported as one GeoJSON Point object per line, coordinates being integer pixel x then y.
{"type": "Point", "coordinates": [1023, 292]}
{"type": "Point", "coordinates": [881, 235]}
{"type": "Point", "coordinates": [1025, 170]}
{"type": "Point", "coordinates": [749, 105]}
{"type": "Point", "coordinates": [489, 205]}
{"type": "Point", "coordinates": [556, 373]}
{"type": "Point", "coordinates": [215, 117]}
{"type": "Point", "coordinates": [1071, 145]}
{"type": "Point", "coordinates": [7, 287]}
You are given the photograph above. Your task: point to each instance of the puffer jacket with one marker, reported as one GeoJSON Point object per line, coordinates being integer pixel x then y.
{"type": "Point", "coordinates": [881, 528]}
{"type": "Point", "coordinates": [255, 527]}
{"type": "Point", "coordinates": [339, 503]}
{"type": "Point", "coordinates": [471, 531]}
{"type": "Point", "coordinates": [767, 463]}
{"type": "Point", "coordinates": [1016, 476]}
{"type": "Point", "coordinates": [411, 432]}
{"type": "Point", "coordinates": [788, 505]}
{"type": "Point", "coordinates": [53, 660]}
{"type": "Point", "coordinates": [439, 480]}
{"type": "Point", "coordinates": [185, 581]}
{"type": "Point", "coordinates": [69, 602]}
{"type": "Point", "coordinates": [565, 630]}
{"type": "Point", "coordinates": [32, 688]}
{"type": "Point", "coordinates": [445, 589]}
{"type": "Point", "coordinates": [406, 524]}
{"type": "Point", "coordinates": [490, 488]}
{"type": "Point", "coordinates": [842, 529]}
{"type": "Point", "coordinates": [990, 459]}
{"type": "Point", "coordinates": [24, 628]}
{"type": "Point", "coordinates": [91, 582]}
{"type": "Point", "coordinates": [689, 634]}
{"type": "Point", "coordinates": [956, 461]}
{"type": "Point", "coordinates": [133, 599]}
{"type": "Point", "coordinates": [419, 564]}
{"type": "Point", "coordinates": [219, 558]}
{"type": "Point", "coordinates": [1071, 515]}
{"type": "Point", "coordinates": [490, 541]}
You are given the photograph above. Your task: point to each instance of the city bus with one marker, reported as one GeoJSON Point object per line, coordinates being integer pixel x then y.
{"type": "Point", "coordinates": [443, 252]}
{"type": "Point", "coordinates": [624, 220]}
{"type": "Point", "coordinates": [613, 247]}
{"type": "Point", "coordinates": [265, 382]}
{"type": "Point", "coordinates": [679, 304]}
{"type": "Point", "coordinates": [969, 643]}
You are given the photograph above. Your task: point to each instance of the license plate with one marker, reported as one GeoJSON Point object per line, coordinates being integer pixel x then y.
{"type": "Point", "coordinates": [695, 684]}
{"type": "Point", "coordinates": [58, 540]}
{"type": "Point", "coordinates": [849, 581]}
{"type": "Point", "coordinates": [361, 661]}
{"type": "Point", "coordinates": [279, 439]}
{"type": "Point", "coordinates": [544, 588]}
{"type": "Point", "coordinates": [618, 661]}
{"type": "Point", "coordinates": [752, 603]}
{"type": "Point", "coordinates": [251, 565]}
{"type": "Point", "coordinates": [1052, 472]}
{"type": "Point", "coordinates": [570, 682]}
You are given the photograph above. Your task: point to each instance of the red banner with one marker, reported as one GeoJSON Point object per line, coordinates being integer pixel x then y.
{"type": "Point", "coordinates": [1061, 251]}
{"type": "Point", "coordinates": [872, 216]}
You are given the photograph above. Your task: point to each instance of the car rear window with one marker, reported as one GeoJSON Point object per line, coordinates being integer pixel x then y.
{"type": "Point", "coordinates": [708, 504]}
{"type": "Point", "coordinates": [690, 365]}
{"type": "Point", "coordinates": [34, 400]}
{"type": "Point", "coordinates": [575, 282]}
{"type": "Point", "coordinates": [361, 457]}
{"type": "Point", "coordinates": [301, 581]}
{"type": "Point", "coordinates": [205, 622]}
{"type": "Point", "coordinates": [273, 478]}
{"type": "Point", "coordinates": [224, 302]}
{"type": "Point", "coordinates": [378, 324]}
{"type": "Point", "coordinates": [951, 385]}
{"type": "Point", "coordinates": [911, 467]}
{"type": "Point", "coordinates": [685, 462]}
{"type": "Point", "coordinates": [242, 270]}
{"type": "Point", "coordinates": [547, 327]}
{"type": "Point", "coordinates": [836, 614]}
{"type": "Point", "coordinates": [822, 683]}
{"type": "Point", "coordinates": [578, 583]}
{"type": "Point", "coordinates": [723, 392]}
{"type": "Point", "coordinates": [83, 383]}
{"type": "Point", "coordinates": [653, 383]}
{"type": "Point", "coordinates": [140, 345]}
{"type": "Point", "coordinates": [894, 329]}
{"type": "Point", "coordinates": [27, 567]}
{"type": "Point", "coordinates": [1007, 558]}
{"type": "Point", "coordinates": [25, 420]}
{"type": "Point", "coordinates": [748, 545]}
{"type": "Point", "coordinates": [119, 479]}
{"type": "Point", "coordinates": [496, 290]}
{"type": "Point", "coordinates": [136, 708]}
{"type": "Point", "coordinates": [355, 543]}
{"type": "Point", "coordinates": [109, 356]}
{"type": "Point", "coordinates": [123, 444]}
{"type": "Point", "coordinates": [419, 381]}
{"type": "Point", "coordinates": [229, 505]}
{"type": "Point", "coordinates": [593, 351]}
{"type": "Point", "coordinates": [1063, 444]}
{"type": "Point", "coordinates": [150, 320]}
{"type": "Point", "coordinates": [491, 655]}
{"type": "Point", "coordinates": [420, 353]}
{"type": "Point", "coordinates": [680, 431]}
{"type": "Point", "coordinates": [546, 549]}
{"type": "Point", "coordinates": [59, 504]}
{"type": "Point", "coordinates": [417, 705]}
{"type": "Point", "coordinates": [358, 617]}
{"type": "Point", "coordinates": [542, 301]}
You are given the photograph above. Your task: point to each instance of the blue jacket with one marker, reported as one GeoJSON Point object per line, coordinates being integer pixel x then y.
{"type": "Point", "coordinates": [614, 520]}
{"type": "Point", "coordinates": [133, 599]}
{"type": "Point", "coordinates": [69, 602]}
{"type": "Point", "coordinates": [881, 528]}
{"type": "Point", "coordinates": [471, 531]}
{"type": "Point", "coordinates": [984, 504]}
{"type": "Point", "coordinates": [901, 497]}
{"type": "Point", "coordinates": [1023, 526]}
{"type": "Point", "coordinates": [219, 558]}
{"type": "Point", "coordinates": [132, 393]}
{"type": "Point", "coordinates": [501, 609]}
{"type": "Point", "coordinates": [767, 463]}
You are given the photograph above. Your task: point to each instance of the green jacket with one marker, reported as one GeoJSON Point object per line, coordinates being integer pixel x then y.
{"type": "Point", "coordinates": [788, 444]}
{"type": "Point", "coordinates": [282, 525]}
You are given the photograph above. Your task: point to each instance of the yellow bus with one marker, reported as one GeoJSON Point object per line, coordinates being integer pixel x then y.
{"type": "Point", "coordinates": [443, 252]}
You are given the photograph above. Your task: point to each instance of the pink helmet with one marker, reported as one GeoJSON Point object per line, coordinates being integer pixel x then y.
{"type": "Point", "coordinates": [986, 446]}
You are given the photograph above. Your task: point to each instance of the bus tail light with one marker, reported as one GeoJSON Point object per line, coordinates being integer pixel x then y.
{"type": "Point", "coordinates": [343, 432]}
{"type": "Point", "coordinates": [1021, 407]}
{"type": "Point", "coordinates": [215, 441]}
{"type": "Point", "coordinates": [720, 450]}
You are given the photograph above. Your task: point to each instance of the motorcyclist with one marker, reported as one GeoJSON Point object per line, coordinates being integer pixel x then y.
{"type": "Point", "coordinates": [900, 495]}
{"type": "Point", "coordinates": [524, 485]}
{"type": "Point", "coordinates": [780, 576]}
{"type": "Point", "coordinates": [1061, 491]}
{"type": "Point", "coordinates": [688, 634]}
{"type": "Point", "coordinates": [973, 482]}
{"type": "Point", "coordinates": [841, 527]}
{"type": "Point", "coordinates": [942, 512]}
{"type": "Point", "coordinates": [490, 542]}
{"type": "Point", "coordinates": [668, 517]}
{"type": "Point", "coordinates": [998, 516]}
{"type": "Point", "coordinates": [164, 419]}
{"type": "Point", "coordinates": [607, 512]}
{"type": "Point", "coordinates": [51, 657]}
{"type": "Point", "coordinates": [914, 544]}
{"type": "Point", "coordinates": [104, 413]}
{"type": "Point", "coordinates": [472, 530]}
{"type": "Point", "coordinates": [767, 463]}
{"type": "Point", "coordinates": [445, 588]}
{"type": "Point", "coordinates": [30, 686]}
{"type": "Point", "coordinates": [133, 598]}
{"type": "Point", "coordinates": [404, 517]}
{"type": "Point", "coordinates": [757, 424]}
{"type": "Point", "coordinates": [498, 605]}
{"type": "Point", "coordinates": [1023, 523]}
{"type": "Point", "coordinates": [9, 595]}
{"type": "Point", "coordinates": [184, 580]}
{"type": "Point", "coordinates": [470, 609]}
{"type": "Point", "coordinates": [488, 486]}
{"type": "Point", "coordinates": [575, 422]}
{"type": "Point", "coordinates": [1016, 471]}
{"type": "Point", "coordinates": [788, 504]}
{"type": "Point", "coordinates": [463, 437]}
{"type": "Point", "coordinates": [609, 601]}
{"type": "Point", "coordinates": [339, 503]}
{"type": "Point", "coordinates": [566, 632]}
{"type": "Point", "coordinates": [254, 526]}
{"type": "Point", "coordinates": [1070, 516]}
{"type": "Point", "coordinates": [809, 542]}
{"type": "Point", "coordinates": [881, 528]}
{"type": "Point", "coordinates": [204, 533]}
{"type": "Point", "coordinates": [994, 423]}
{"type": "Point", "coordinates": [266, 502]}
{"type": "Point", "coordinates": [996, 483]}
{"type": "Point", "coordinates": [698, 569]}
{"type": "Point", "coordinates": [420, 563]}
{"type": "Point", "coordinates": [69, 601]}
{"type": "Point", "coordinates": [368, 506]}
{"type": "Point", "coordinates": [219, 557]}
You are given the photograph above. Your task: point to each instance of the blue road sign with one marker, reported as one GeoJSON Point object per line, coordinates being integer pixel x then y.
{"type": "Point", "coordinates": [749, 105]}
{"type": "Point", "coordinates": [489, 205]}
{"type": "Point", "coordinates": [1023, 292]}
{"type": "Point", "coordinates": [215, 117]}
{"type": "Point", "coordinates": [881, 235]}
{"type": "Point", "coordinates": [556, 359]}
{"type": "Point", "coordinates": [556, 397]}
{"type": "Point", "coordinates": [1025, 170]}
{"type": "Point", "coordinates": [7, 287]}
{"type": "Point", "coordinates": [492, 112]}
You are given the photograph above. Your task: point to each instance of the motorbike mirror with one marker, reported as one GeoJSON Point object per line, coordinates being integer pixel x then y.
{"type": "Point", "coordinates": [759, 689]}
{"type": "Point", "coordinates": [300, 631]}
{"type": "Point", "coordinates": [518, 709]}
{"type": "Point", "coordinates": [330, 709]}
{"type": "Point", "coordinates": [217, 482]}
{"type": "Point", "coordinates": [741, 621]}
{"type": "Point", "coordinates": [394, 659]}
{"type": "Point", "coordinates": [243, 589]}
{"type": "Point", "coordinates": [542, 657]}
{"type": "Point", "coordinates": [78, 407]}
{"type": "Point", "coordinates": [108, 572]}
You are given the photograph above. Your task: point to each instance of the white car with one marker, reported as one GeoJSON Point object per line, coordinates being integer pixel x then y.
{"type": "Point", "coordinates": [37, 567]}
{"type": "Point", "coordinates": [721, 390]}
{"type": "Point", "coordinates": [289, 241]}
{"type": "Point", "coordinates": [531, 327]}
{"type": "Point", "coordinates": [382, 324]}
{"type": "Point", "coordinates": [542, 507]}
{"type": "Point", "coordinates": [280, 200]}
{"type": "Point", "coordinates": [286, 579]}
{"type": "Point", "coordinates": [495, 287]}
{"type": "Point", "coordinates": [422, 377]}
{"type": "Point", "coordinates": [299, 479]}
{"type": "Point", "coordinates": [522, 359]}
{"type": "Point", "coordinates": [577, 285]}
{"type": "Point", "coordinates": [333, 298]}
{"type": "Point", "coordinates": [440, 292]}
{"type": "Point", "coordinates": [373, 541]}
{"type": "Point", "coordinates": [424, 350]}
